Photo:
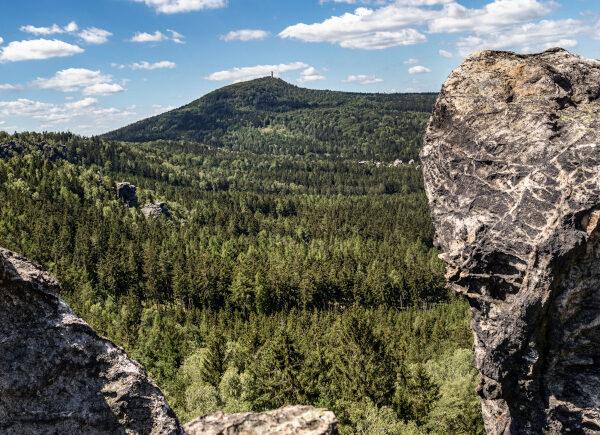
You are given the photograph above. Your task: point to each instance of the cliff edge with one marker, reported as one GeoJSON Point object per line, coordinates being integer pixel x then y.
{"type": "Point", "coordinates": [511, 163]}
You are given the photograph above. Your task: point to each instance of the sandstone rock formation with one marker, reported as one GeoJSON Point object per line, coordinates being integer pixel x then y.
{"type": "Point", "coordinates": [511, 163]}
{"type": "Point", "coordinates": [57, 376]}
{"type": "Point", "coordinates": [126, 192]}
{"type": "Point", "coordinates": [288, 420]}
{"type": "Point", "coordinates": [155, 210]}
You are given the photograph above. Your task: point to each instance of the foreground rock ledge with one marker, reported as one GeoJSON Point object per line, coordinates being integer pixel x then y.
{"type": "Point", "coordinates": [289, 420]}
{"type": "Point", "coordinates": [511, 163]}
{"type": "Point", "coordinates": [57, 375]}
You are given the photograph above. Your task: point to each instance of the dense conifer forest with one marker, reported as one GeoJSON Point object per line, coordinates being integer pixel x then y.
{"type": "Point", "coordinates": [288, 272]}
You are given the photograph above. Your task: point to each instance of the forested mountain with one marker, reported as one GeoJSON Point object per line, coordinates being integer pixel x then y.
{"type": "Point", "coordinates": [279, 278]}
{"type": "Point", "coordinates": [271, 116]}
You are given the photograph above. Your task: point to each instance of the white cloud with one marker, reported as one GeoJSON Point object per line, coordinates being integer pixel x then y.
{"type": "Point", "coordinates": [455, 18]}
{"type": "Point", "coordinates": [244, 35]}
{"type": "Point", "coordinates": [54, 28]}
{"type": "Point", "coordinates": [419, 69]}
{"type": "Point", "coordinates": [93, 35]}
{"type": "Point", "coordinates": [310, 74]}
{"type": "Point", "coordinates": [176, 37]}
{"type": "Point", "coordinates": [149, 37]}
{"type": "Point", "coordinates": [79, 79]}
{"type": "Point", "coordinates": [7, 87]}
{"type": "Point", "coordinates": [445, 54]}
{"type": "Point", "coordinates": [177, 6]}
{"type": "Point", "coordinates": [150, 66]}
{"type": "Point", "coordinates": [1, 40]}
{"type": "Point", "coordinates": [51, 30]}
{"type": "Point", "coordinates": [253, 72]}
{"type": "Point", "coordinates": [158, 36]}
{"type": "Point", "coordinates": [528, 37]}
{"type": "Point", "coordinates": [362, 79]}
{"type": "Point", "coordinates": [37, 49]}
{"type": "Point", "coordinates": [411, 61]}
{"type": "Point", "coordinates": [365, 28]}
{"type": "Point", "coordinates": [103, 89]}
{"type": "Point", "coordinates": [405, 22]}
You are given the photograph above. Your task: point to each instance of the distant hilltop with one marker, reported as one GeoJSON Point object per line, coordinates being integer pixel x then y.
{"type": "Point", "coordinates": [262, 114]}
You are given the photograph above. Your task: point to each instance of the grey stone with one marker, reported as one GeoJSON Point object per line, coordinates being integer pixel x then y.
{"type": "Point", "coordinates": [156, 210]}
{"type": "Point", "coordinates": [57, 376]}
{"type": "Point", "coordinates": [511, 163]}
{"type": "Point", "coordinates": [289, 420]}
{"type": "Point", "coordinates": [126, 192]}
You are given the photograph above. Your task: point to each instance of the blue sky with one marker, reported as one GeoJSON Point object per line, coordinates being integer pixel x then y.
{"type": "Point", "coordinates": [94, 65]}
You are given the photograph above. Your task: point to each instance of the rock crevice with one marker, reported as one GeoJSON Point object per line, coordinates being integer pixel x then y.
{"type": "Point", "coordinates": [511, 163]}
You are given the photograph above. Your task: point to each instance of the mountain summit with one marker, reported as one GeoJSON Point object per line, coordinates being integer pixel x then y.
{"type": "Point", "coordinates": [270, 115]}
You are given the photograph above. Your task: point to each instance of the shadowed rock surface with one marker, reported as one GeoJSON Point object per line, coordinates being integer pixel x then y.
{"type": "Point", "coordinates": [126, 192]}
{"type": "Point", "coordinates": [304, 420]}
{"type": "Point", "coordinates": [511, 163]}
{"type": "Point", "coordinates": [57, 376]}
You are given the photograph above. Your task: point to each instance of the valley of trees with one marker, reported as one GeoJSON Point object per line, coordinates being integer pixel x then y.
{"type": "Point", "coordinates": [285, 275]}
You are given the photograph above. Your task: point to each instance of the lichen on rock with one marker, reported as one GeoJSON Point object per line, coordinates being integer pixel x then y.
{"type": "Point", "coordinates": [511, 163]}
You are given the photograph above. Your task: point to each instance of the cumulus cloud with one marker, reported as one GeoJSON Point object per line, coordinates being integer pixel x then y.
{"type": "Point", "coordinates": [149, 37]}
{"type": "Point", "coordinates": [498, 23]}
{"type": "Point", "coordinates": [36, 49]}
{"type": "Point", "coordinates": [528, 37]}
{"type": "Point", "coordinates": [87, 81]}
{"type": "Point", "coordinates": [445, 54]}
{"type": "Point", "coordinates": [310, 74]}
{"type": "Point", "coordinates": [150, 66]}
{"type": "Point", "coordinates": [157, 36]}
{"type": "Point", "coordinates": [244, 35]}
{"type": "Point", "coordinates": [93, 35]}
{"type": "Point", "coordinates": [411, 61]}
{"type": "Point", "coordinates": [177, 6]}
{"type": "Point", "coordinates": [362, 79]}
{"type": "Point", "coordinates": [50, 30]}
{"type": "Point", "coordinates": [419, 69]}
{"type": "Point", "coordinates": [364, 29]}
{"type": "Point", "coordinates": [7, 87]}
{"type": "Point", "coordinates": [254, 72]}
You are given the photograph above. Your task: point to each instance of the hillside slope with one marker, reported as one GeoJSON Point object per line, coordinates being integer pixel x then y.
{"type": "Point", "coordinates": [271, 116]}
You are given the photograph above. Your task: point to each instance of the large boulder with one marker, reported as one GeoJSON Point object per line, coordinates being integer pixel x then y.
{"type": "Point", "coordinates": [511, 163]}
{"type": "Point", "coordinates": [57, 376]}
{"type": "Point", "coordinates": [289, 420]}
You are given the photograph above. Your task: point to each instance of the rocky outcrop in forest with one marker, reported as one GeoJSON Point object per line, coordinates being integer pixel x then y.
{"type": "Point", "coordinates": [156, 210]}
{"type": "Point", "coordinates": [288, 420]}
{"type": "Point", "coordinates": [511, 164]}
{"type": "Point", "coordinates": [126, 192]}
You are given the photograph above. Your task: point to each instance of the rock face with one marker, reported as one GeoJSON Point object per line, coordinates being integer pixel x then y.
{"type": "Point", "coordinates": [57, 376]}
{"type": "Point", "coordinates": [155, 210]}
{"type": "Point", "coordinates": [126, 192]}
{"type": "Point", "coordinates": [289, 420]}
{"type": "Point", "coordinates": [511, 163]}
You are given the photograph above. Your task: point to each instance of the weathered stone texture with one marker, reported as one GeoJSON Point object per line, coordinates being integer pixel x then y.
{"type": "Point", "coordinates": [290, 420]}
{"type": "Point", "coordinates": [57, 376]}
{"type": "Point", "coordinates": [156, 210]}
{"type": "Point", "coordinates": [511, 163]}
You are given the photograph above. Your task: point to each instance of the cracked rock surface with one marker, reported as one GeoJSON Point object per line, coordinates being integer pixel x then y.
{"type": "Point", "coordinates": [511, 163]}
{"type": "Point", "coordinates": [304, 420]}
{"type": "Point", "coordinates": [57, 376]}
